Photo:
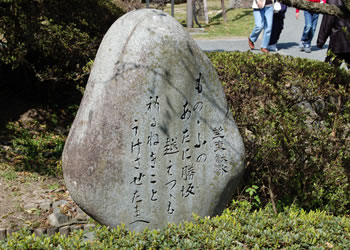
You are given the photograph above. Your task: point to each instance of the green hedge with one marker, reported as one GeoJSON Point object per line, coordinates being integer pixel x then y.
{"type": "Point", "coordinates": [294, 116]}
{"type": "Point", "coordinates": [237, 228]}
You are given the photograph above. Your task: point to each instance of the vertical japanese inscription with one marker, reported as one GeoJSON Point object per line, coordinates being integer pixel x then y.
{"type": "Point", "coordinates": [137, 180]}
{"type": "Point", "coordinates": [221, 167]}
{"type": "Point", "coordinates": [169, 164]}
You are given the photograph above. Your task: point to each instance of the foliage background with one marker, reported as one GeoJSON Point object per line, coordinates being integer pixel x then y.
{"type": "Point", "coordinates": [48, 44]}
{"type": "Point", "coordinates": [294, 116]}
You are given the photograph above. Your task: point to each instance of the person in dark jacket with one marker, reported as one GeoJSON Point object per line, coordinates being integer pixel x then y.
{"type": "Point", "coordinates": [338, 31]}
{"type": "Point", "coordinates": [277, 27]}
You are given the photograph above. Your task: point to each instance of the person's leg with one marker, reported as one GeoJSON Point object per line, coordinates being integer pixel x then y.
{"type": "Point", "coordinates": [312, 24]}
{"type": "Point", "coordinates": [314, 19]}
{"type": "Point", "coordinates": [275, 29]}
{"type": "Point", "coordinates": [307, 26]}
{"type": "Point", "coordinates": [268, 26]}
{"type": "Point", "coordinates": [259, 24]}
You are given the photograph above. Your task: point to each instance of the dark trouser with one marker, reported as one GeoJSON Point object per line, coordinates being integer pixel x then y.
{"type": "Point", "coordinates": [337, 59]}
{"type": "Point", "coordinates": [277, 27]}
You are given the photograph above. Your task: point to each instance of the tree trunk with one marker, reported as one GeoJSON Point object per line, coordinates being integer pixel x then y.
{"type": "Point", "coordinates": [189, 14]}
{"type": "Point", "coordinates": [223, 10]}
{"type": "Point", "coordinates": [206, 17]}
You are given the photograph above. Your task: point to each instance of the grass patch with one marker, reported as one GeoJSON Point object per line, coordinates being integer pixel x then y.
{"type": "Point", "coordinates": [7, 172]}
{"type": "Point", "coordinates": [34, 144]}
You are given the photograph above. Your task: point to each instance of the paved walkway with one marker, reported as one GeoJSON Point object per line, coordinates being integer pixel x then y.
{"type": "Point", "coordinates": [288, 43]}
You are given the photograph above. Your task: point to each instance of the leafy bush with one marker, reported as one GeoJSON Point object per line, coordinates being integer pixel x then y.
{"type": "Point", "coordinates": [237, 228]}
{"type": "Point", "coordinates": [294, 116]}
{"type": "Point", "coordinates": [51, 40]}
{"type": "Point", "coordinates": [35, 142]}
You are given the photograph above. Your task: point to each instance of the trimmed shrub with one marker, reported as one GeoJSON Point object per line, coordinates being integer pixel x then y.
{"type": "Point", "coordinates": [237, 228]}
{"type": "Point", "coordinates": [294, 116]}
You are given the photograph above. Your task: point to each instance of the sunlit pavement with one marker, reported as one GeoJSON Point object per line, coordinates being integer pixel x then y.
{"type": "Point", "coordinates": [287, 45]}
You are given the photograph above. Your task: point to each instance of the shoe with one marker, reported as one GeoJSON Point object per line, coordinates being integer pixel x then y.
{"type": "Point", "coordinates": [250, 43]}
{"type": "Point", "coordinates": [272, 47]}
{"type": "Point", "coordinates": [301, 46]}
{"type": "Point", "coordinates": [264, 50]}
{"type": "Point", "coordinates": [307, 48]}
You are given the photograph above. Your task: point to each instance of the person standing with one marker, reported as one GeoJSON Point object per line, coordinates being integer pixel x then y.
{"type": "Point", "coordinates": [277, 27]}
{"type": "Point", "coordinates": [338, 31]}
{"type": "Point", "coordinates": [309, 28]}
{"type": "Point", "coordinates": [263, 16]}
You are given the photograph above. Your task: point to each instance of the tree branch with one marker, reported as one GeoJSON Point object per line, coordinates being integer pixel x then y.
{"type": "Point", "coordinates": [320, 7]}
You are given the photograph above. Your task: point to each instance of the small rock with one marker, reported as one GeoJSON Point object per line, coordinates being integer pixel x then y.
{"type": "Point", "coordinates": [81, 215]}
{"type": "Point", "coordinates": [59, 203]}
{"type": "Point", "coordinates": [89, 236]}
{"type": "Point", "coordinates": [56, 210]}
{"type": "Point", "coordinates": [57, 219]}
{"type": "Point", "coordinates": [39, 231]}
{"type": "Point", "coordinates": [64, 230]}
{"type": "Point", "coordinates": [320, 106]}
{"type": "Point", "coordinates": [79, 210]}
{"type": "Point", "coordinates": [307, 108]}
{"type": "Point", "coordinates": [76, 227]}
{"type": "Point", "coordinates": [45, 206]}
{"type": "Point", "coordinates": [52, 231]}
{"type": "Point", "coordinates": [2, 233]}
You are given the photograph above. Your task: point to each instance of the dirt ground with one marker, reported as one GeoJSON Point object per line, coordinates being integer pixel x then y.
{"type": "Point", "coordinates": [25, 198]}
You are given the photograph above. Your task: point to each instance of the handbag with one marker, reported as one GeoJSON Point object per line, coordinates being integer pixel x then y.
{"type": "Point", "coordinates": [276, 7]}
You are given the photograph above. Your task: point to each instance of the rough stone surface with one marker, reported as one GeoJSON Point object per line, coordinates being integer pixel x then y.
{"type": "Point", "coordinates": [2, 233]}
{"type": "Point", "coordinates": [39, 231]}
{"type": "Point", "coordinates": [64, 230]}
{"type": "Point", "coordinates": [57, 204]}
{"type": "Point", "coordinates": [51, 231]}
{"type": "Point", "coordinates": [45, 206]}
{"type": "Point", "coordinates": [81, 216]}
{"type": "Point", "coordinates": [89, 236]}
{"type": "Point", "coordinates": [153, 141]}
{"type": "Point", "coordinates": [76, 227]}
{"type": "Point", "coordinates": [87, 227]}
{"type": "Point", "coordinates": [57, 219]}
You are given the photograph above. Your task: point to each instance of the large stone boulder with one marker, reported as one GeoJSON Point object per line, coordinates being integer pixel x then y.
{"type": "Point", "coordinates": [154, 140]}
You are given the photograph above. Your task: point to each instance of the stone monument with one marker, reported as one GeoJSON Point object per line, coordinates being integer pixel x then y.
{"type": "Point", "coordinates": [154, 140]}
